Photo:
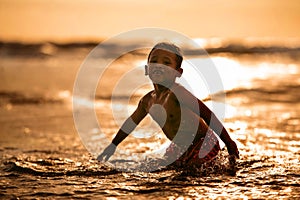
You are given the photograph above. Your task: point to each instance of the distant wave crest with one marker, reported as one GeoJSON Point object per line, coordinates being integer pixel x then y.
{"type": "Point", "coordinates": [51, 48]}
{"type": "Point", "coordinates": [16, 98]}
{"type": "Point", "coordinates": [289, 93]}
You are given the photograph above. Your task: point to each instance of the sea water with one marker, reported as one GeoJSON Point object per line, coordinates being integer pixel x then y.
{"type": "Point", "coordinates": [43, 156]}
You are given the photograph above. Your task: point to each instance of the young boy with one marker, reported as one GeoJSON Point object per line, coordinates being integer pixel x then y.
{"type": "Point", "coordinates": [184, 119]}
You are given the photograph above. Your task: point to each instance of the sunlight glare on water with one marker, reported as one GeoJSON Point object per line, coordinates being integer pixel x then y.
{"type": "Point", "coordinates": [41, 147]}
{"type": "Point", "coordinates": [236, 74]}
{"type": "Point", "coordinates": [232, 74]}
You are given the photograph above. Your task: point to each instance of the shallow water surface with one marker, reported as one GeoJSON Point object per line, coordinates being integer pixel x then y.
{"type": "Point", "coordinates": [42, 155]}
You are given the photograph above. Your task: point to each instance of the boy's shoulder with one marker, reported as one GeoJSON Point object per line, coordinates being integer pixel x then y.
{"type": "Point", "coordinates": [148, 96]}
{"type": "Point", "coordinates": [182, 93]}
{"type": "Point", "coordinates": [177, 88]}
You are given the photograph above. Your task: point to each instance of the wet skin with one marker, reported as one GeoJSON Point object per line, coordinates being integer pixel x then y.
{"type": "Point", "coordinates": [182, 117]}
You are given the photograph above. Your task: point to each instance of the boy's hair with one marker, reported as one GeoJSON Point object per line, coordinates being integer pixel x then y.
{"type": "Point", "coordinates": [169, 47]}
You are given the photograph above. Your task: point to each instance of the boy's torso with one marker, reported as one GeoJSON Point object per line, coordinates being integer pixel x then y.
{"type": "Point", "coordinates": [174, 117]}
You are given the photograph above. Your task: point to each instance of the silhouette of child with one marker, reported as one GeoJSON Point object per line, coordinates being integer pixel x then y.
{"type": "Point", "coordinates": [184, 119]}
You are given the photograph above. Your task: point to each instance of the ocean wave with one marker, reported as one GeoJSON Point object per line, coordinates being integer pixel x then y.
{"type": "Point", "coordinates": [288, 94]}
{"type": "Point", "coordinates": [47, 49]}
{"type": "Point", "coordinates": [41, 168]}
{"type": "Point", "coordinates": [281, 93]}
{"type": "Point", "coordinates": [242, 49]}
{"type": "Point", "coordinates": [58, 167]}
{"type": "Point", "coordinates": [16, 98]}
{"type": "Point", "coordinates": [39, 49]}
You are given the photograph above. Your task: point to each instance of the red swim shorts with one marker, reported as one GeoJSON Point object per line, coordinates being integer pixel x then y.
{"type": "Point", "coordinates": [197, 153]}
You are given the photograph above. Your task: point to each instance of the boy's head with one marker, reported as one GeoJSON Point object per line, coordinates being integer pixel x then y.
{"type": "Point", "coordinates": [164, 63]}
{"type": "Point", "coordinates": [171, 48]}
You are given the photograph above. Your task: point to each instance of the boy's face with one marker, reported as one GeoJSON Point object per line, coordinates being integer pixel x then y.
{"type": "Point", "coordinates": [162, 67]}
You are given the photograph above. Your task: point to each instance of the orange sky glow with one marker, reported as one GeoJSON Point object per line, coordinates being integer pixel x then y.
{"type": "Point", "coordinates": [38, 20]}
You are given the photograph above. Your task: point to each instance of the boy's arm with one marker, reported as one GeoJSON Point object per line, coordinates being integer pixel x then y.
{"type": "Point", "coordinates": [127, 127]}
{"type": "Point", "coordinates": [215, 124]}
{"type": "Point", "coordinates": [208, 116]}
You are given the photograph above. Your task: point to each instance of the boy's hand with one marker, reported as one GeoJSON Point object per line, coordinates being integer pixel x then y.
{"type": "Point", "coordinates": [107, 153]}
{"type": "Point", "coordinates": [232, 149]}
{"type": "Point", "coordinates": [233, 155]}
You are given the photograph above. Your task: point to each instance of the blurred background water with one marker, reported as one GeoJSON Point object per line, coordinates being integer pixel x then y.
{"type": "Point", "coordinates": [42, 155]}
{"type": "Point", "coordinates": [254, 45]}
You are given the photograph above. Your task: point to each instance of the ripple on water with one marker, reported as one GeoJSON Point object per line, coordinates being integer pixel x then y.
{"type": "Point", "coordinates": [257, 176]}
